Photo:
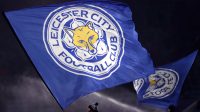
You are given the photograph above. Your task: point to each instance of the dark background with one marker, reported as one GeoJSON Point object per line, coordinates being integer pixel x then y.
{"type": "Point", "coordinates": [168, 29]}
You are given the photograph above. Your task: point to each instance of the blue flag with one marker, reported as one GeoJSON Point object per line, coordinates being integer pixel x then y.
{"type": "Point", "coordinates": [81, 47]}
{"type": "Point", "coordinates": [163, 88]}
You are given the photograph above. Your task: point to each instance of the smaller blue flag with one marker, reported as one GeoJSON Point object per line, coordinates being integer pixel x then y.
{"type": "Point", "coordinates": [163, 88]}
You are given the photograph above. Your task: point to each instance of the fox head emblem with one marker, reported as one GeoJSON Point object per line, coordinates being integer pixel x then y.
{"type": "Point", "coordinates": [86, 40]}
{"type": "Point", "coordinates": [156, 82]}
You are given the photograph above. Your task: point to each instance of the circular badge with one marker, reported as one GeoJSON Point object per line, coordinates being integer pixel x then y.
{"type": "Point", "coordinates": [84, 40]}
{"type": "Point", "coordinates": [162, 83]}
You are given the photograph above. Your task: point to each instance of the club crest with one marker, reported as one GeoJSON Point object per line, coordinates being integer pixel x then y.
{"type": "Point", "coordinates": [162, 83]}
{"type": "Point", "coordinates": [84, 40]}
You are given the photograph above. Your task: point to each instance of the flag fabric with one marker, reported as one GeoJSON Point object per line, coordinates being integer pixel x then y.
{"type": "Point", "coordinates": [163, 88]}
{"type": "Point", "coordinates": [81, 47]}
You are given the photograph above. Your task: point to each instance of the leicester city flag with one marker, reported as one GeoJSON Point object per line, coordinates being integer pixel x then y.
{"type": "Point", "coordinates": [163, 88]}
{"type": "Point", "coordinates": [81, 47]}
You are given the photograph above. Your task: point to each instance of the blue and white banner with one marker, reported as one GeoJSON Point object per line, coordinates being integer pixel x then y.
{"type": "Point", "coordinates": [163, 88]}
{"type": "Point", "coordinates": [81, 47]}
